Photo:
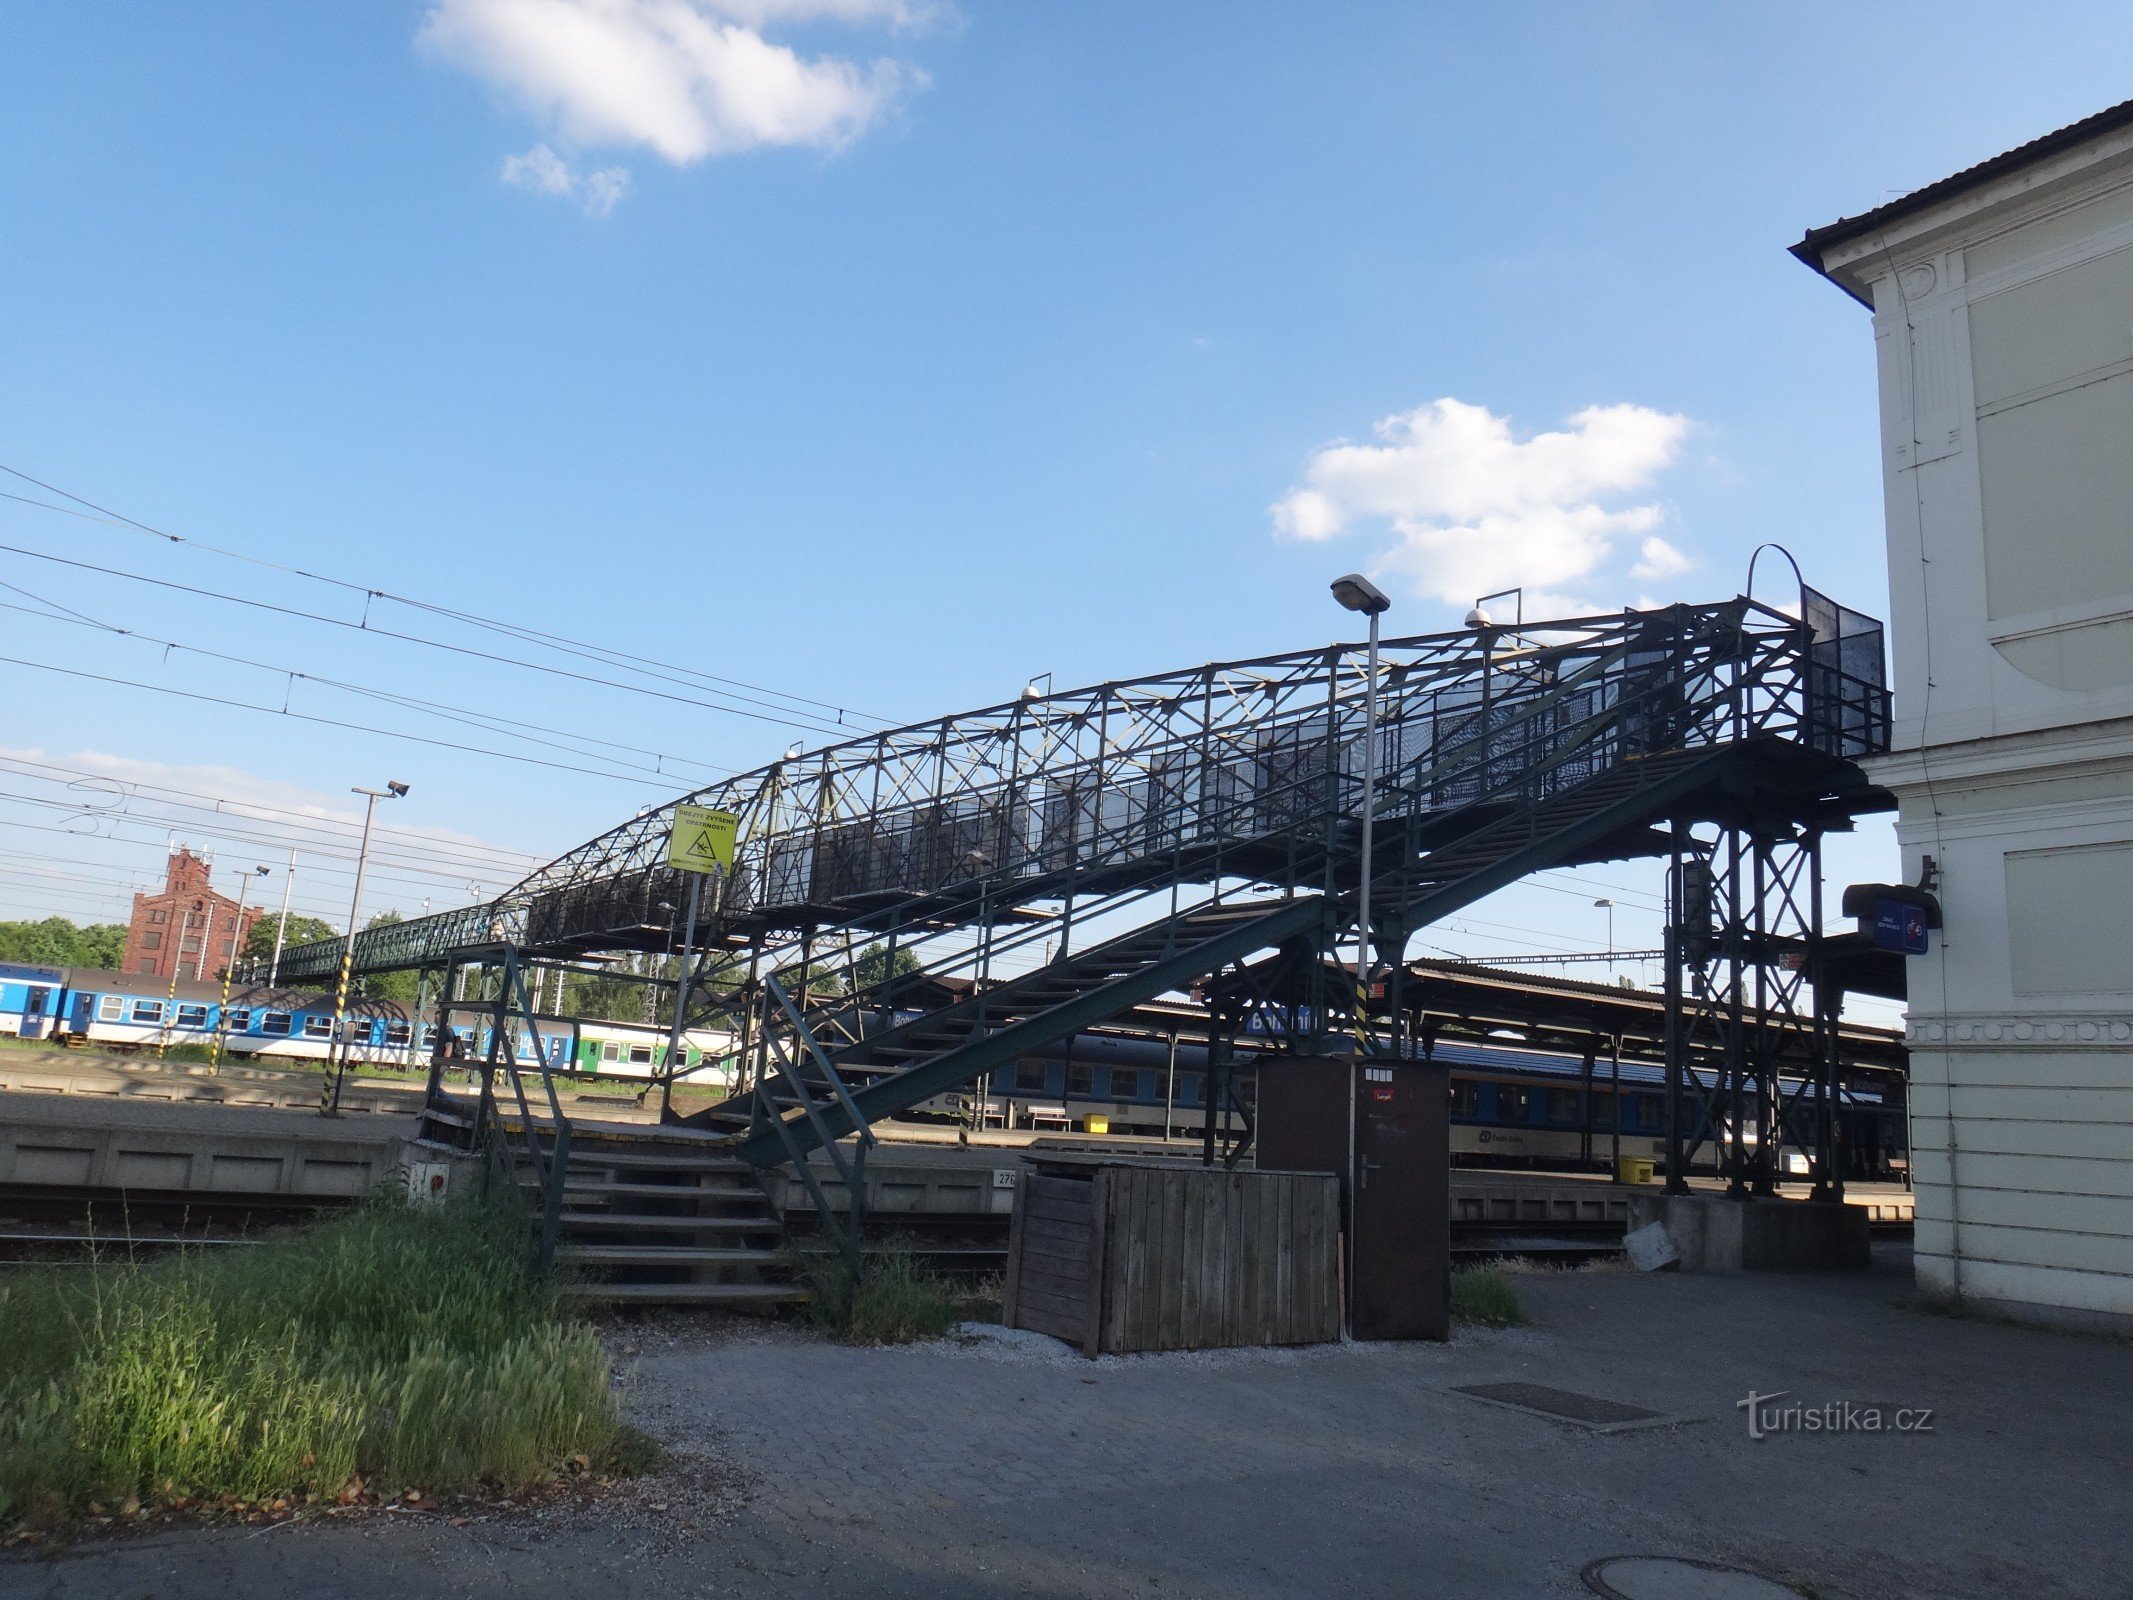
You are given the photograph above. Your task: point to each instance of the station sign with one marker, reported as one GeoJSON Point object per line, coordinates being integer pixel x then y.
{"type": "Point", "coordinates": [701, 839]}
{"type": "Point", "coordinates": [1900, 927]}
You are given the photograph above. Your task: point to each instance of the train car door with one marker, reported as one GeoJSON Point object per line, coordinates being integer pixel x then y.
{"type": "Point", "coordinates": [33, 1005]}
{"type": "Point", "coordinates": [84, 1010]}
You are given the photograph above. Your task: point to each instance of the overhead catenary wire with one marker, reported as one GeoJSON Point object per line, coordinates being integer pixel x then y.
{"type": "Point", "coordinates": [842, 719]}
{"type": "Point", "coordinates": [489, 722]}
{"type": "Point", "coordinates": [469, 848]}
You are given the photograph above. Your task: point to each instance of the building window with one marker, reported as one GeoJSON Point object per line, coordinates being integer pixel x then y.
{"type": "Point", "coordinates": [159, 916]}
{"type": "Point", "coordinates": [151, 941]}
{"type": "Point", "coordinates": [1125, 1085]}
{"type": "Point", "coordinates": [1029, 1076]}
{"type": "Point", "coordinates": [276, 1024]}
{"type": "Point", "coordinates": [110, 1008]}
{"type": "Point", "coordinates": [318, 1027]}
{"type": "Point", "coordinates": [190, 945]}
{"type": "Point", "coordinates": [147, 1013]}
{"type": "Point", "coordinates": [1081, 1080]}
{"type": "Point", "coordinates": [191, 1016]}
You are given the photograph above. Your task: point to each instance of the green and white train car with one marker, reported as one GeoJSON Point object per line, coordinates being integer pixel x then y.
{"type": "Point", "coordinates": [631, 1050]}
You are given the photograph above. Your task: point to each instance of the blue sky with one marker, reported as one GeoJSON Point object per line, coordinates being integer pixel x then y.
{"type": "Point", "coordinates": [889, 353]}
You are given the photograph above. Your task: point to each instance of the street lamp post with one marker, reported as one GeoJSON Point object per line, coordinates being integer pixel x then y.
{"type": "Point", "coordinates": [281, 928]}
{"type": "Point", "coordinates": [1358, 593]}
{"type": "Point", "coordinates": [337, 1050]}
{"type": "Point", "coordinates": [1609, 905]}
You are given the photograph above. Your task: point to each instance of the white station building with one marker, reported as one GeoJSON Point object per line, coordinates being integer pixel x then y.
{"type": "Point", "coordinates": [2002, 303]}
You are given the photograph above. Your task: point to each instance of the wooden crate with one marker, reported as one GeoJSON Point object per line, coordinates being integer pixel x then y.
{"type": "Point", "coordinates": [1119, 1256]}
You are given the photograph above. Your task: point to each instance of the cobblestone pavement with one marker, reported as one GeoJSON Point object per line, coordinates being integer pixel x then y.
{"type": "Point", "coordinates": [1009, 1466]}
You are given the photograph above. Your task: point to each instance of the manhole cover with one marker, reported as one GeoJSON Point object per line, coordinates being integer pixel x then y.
{"type": "Point", "coordinates": [1564, 1405]}
{"type": "Point", "coordinates": [1672, 1578]}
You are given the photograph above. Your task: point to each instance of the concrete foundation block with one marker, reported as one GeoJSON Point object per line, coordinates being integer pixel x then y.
{"type": "Point", "coordinates": [1713, 1233]}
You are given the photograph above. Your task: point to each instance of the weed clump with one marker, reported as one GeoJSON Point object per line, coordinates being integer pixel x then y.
{"type": "Point", "coordinates": [1485, 1297]}
{"type": "Point", "coordinates": [391, 1347]}
{"type": "Point", "coordinates": [895, 1300]}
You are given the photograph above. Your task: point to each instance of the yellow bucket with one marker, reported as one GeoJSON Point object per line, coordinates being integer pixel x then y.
{"type": "Point", "coordinates": [1103, 1125]}
{"type": "Point", "coordinates": [1633, 1169]}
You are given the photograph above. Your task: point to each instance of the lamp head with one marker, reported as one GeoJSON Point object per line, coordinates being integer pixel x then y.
{"type": "Point", "coordinates": [1358, 593]}
{"type": "Point", "coordinates": [792, 752]}
{"type": "Point", "coordinates": [397, 790]}
{"type": "Point", "coordinates": [1477, 618]}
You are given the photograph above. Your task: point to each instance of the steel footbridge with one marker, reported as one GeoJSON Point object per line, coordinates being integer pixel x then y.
{"type": "Point", "coordinates": [912, 909]}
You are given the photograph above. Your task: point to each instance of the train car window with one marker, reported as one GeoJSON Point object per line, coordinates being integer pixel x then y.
{"type": "Point", "coordinates": [357, 1030]}
{"type": "Point", "coordinates": [1189, 1089]}
{"type": "Point", "coordinates": [1603, 1108]}
{"type": "Point", "coordinates": [1646, 1107]}
{"type": "Point", "coordinates": [1029, 1075]}
{"type": "Point", "coordinates": [640, 1054]}
{"type": "Point", "coordinates": [1513, 1104]}
{"type": "Point", "coordinates": [192, 1016]}
{"type": "Point", "coordinates": [238, 1021]}
{"type": "Point", "coordinates": [398, 1033]}
{"type": "Point", "coordinates": [1466, 1099]}
{"type": "Point", "coordinates": [318, 1027]}
{"type": "Point", "coordinates": [276, 1024]}
{"type": "Point", "coordinates": [611, 1050]}
{"type": "Point", "coordinates": [1125, 1085]}
{"type": "Point", "coordinates": [1563, 1106]}
{"type": "Point", "coordinates": [110, 1008]}
{"type": "Point", "coordinates": [1081, 1080]}
{"type": "Point", "coordinates": [148, 1011]}
{"type": "Point", "coordinates": [429, 1035]}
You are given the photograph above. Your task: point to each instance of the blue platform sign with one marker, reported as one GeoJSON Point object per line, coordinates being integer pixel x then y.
{"type": "Point", "coordinates": [1900, 927]}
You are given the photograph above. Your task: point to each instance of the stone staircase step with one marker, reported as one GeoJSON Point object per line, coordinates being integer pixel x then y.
{"type": "Point", "coordinates": [739, 1295]}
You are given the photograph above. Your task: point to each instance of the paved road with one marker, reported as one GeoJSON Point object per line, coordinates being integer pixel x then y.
{"type": "Point", "coordinates": [998, 1468]}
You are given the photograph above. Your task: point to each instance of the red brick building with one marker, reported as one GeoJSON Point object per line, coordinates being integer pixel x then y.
{"type": "Point", "coordinates": [188, 930]}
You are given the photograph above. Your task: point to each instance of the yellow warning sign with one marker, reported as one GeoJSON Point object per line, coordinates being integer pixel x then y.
{"type": "Point", "coordinates": [702, 839]}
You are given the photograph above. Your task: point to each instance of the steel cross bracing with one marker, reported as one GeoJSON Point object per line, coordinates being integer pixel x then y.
{"type": "Point", "coordinates": [1247, 768]}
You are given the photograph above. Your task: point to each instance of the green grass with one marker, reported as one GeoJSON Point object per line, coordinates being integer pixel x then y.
{"type": "Point", "coordinates": [403, 1346]}
{"type": "Point", "coordinates": [895, 1301]}
{"type": "Point", "coordinates": [1485, 1297]}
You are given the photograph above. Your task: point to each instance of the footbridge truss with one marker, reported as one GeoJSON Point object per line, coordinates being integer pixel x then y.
{"type": "Point", "coordinates": [913, 909]}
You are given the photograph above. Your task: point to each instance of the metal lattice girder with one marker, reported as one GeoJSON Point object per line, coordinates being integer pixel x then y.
{"type": "Point", "coordinates": [1246, 770]}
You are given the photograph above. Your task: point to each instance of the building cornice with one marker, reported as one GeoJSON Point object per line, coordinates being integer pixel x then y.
{"type": "Point", "coordinates": [1996, 1030]}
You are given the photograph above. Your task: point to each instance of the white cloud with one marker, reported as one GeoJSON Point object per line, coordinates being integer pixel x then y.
{"type": "Point", "coordinates": [543, 171]}
{"type": "Point", "coordinates": [685, 79]}
{"type": "Point", "coordinates": [1658, 559]}
{"type": "Point", "coordinates": [1473, 508]}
